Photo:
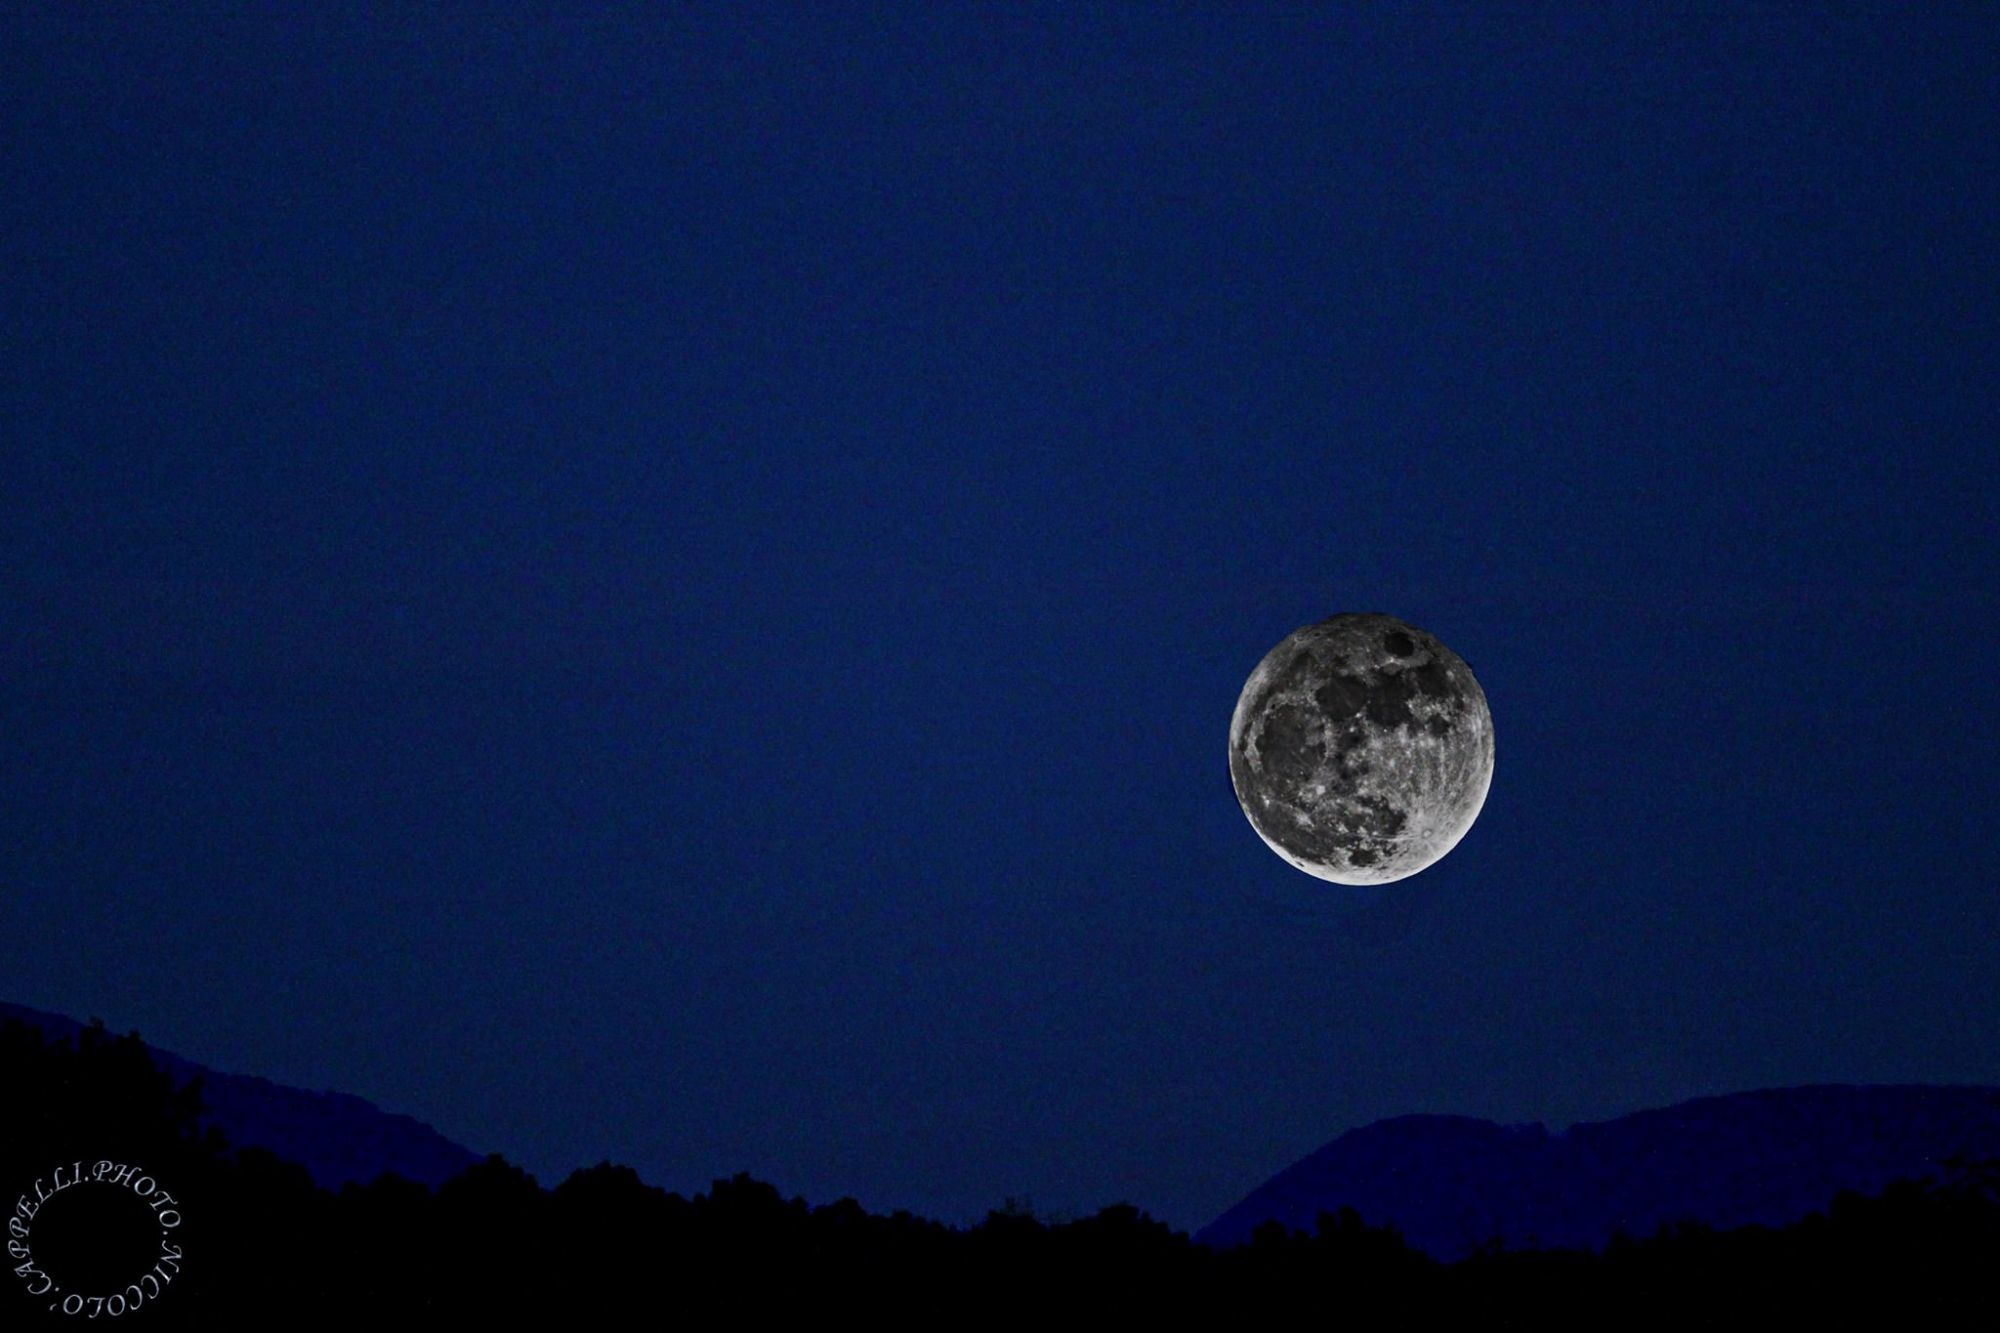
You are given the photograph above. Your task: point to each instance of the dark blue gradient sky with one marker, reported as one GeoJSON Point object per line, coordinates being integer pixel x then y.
{"type": "Point", "coordinates": [668, 583]}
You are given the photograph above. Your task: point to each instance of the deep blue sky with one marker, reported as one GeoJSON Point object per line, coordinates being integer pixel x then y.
{"type": "Point", "coordinates": [668, 584]}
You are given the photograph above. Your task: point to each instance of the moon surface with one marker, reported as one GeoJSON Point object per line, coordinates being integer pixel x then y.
{"type": "Point", "coordinates": [1361, 749]}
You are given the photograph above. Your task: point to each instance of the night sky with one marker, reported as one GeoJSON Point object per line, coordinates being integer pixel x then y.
{"type": "Point", "coordinates": [667, 584]}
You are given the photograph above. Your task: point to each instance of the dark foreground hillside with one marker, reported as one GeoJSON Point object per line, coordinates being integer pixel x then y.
{"type": "Point", "coordinates": [338, 1138]}
{"type": "Point", "coordinates": [1767, 1157]}
{"type": "Point", "coordinates": [254, 1243]}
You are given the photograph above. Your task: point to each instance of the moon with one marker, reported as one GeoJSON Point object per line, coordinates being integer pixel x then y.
{"type": "Point", "coordinates": [1361, 749]}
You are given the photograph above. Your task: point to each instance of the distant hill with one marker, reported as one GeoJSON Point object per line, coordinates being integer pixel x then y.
{"type": "Point", "coordinates": [1450, 1183]}
{"type": "Point", "coordinates": [336, 1137]}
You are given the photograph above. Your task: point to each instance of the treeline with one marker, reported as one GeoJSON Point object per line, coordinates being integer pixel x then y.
{"type": "Point", "coordinates": [262, 1247]}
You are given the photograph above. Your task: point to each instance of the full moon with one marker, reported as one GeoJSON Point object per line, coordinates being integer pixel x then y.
{"type": "Point", "coordinates": [1361, 749]}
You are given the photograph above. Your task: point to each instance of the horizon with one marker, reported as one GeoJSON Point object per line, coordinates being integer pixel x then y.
{"type": "Point", "coordinates": [1013, 1205]}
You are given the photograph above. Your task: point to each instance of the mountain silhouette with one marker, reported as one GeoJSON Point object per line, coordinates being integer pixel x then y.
{"type": "Point", "coordinates": [1453, 1184]}
{"type": "Point", "coordinates": [338, 1138]}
